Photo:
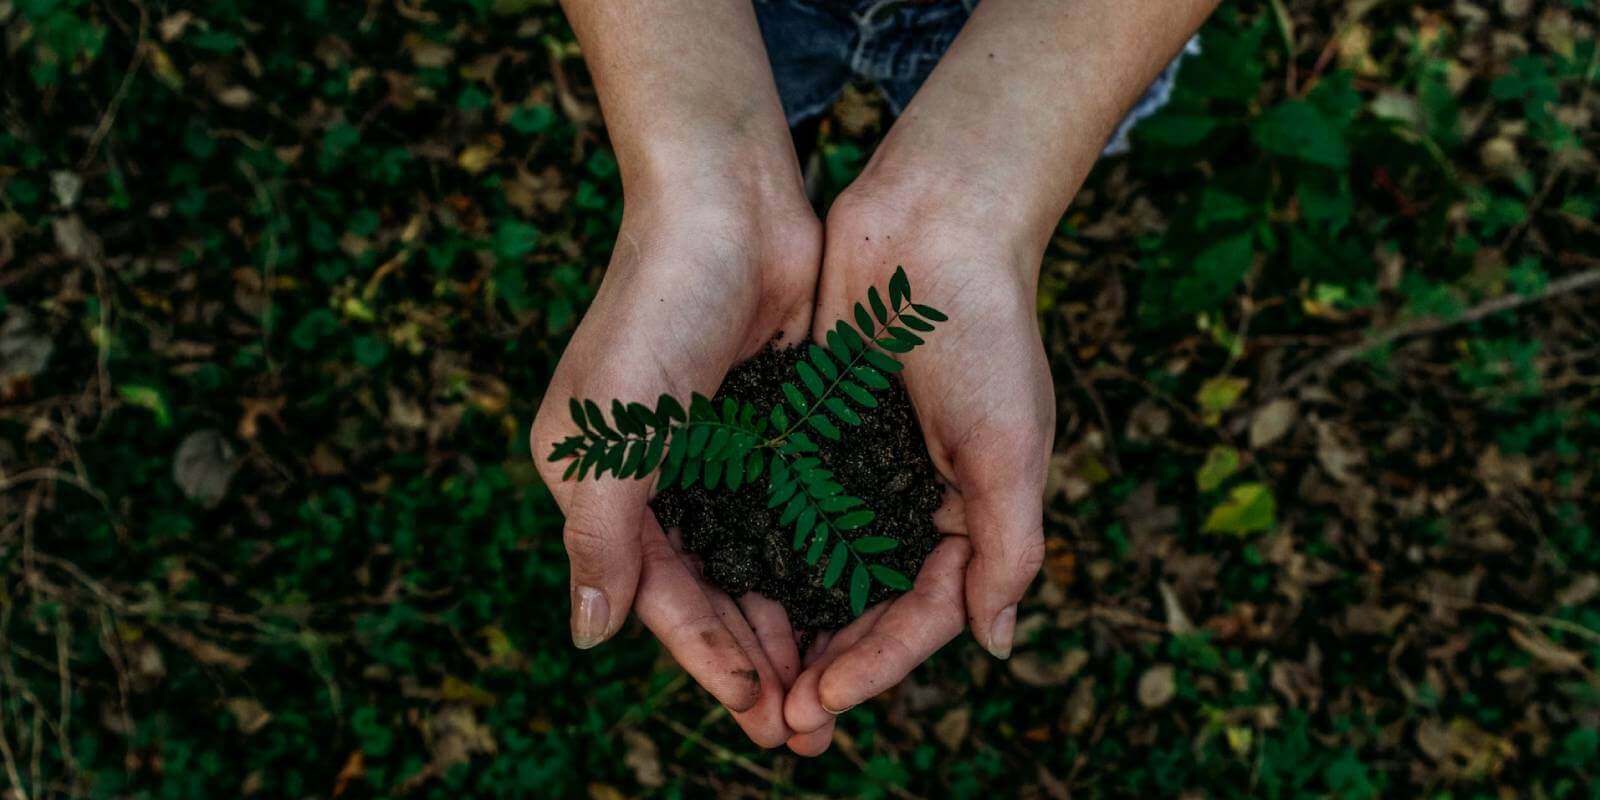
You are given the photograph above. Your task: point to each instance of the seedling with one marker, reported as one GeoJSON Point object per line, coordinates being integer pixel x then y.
{"type": "Point", "coordinates": [739, 444]}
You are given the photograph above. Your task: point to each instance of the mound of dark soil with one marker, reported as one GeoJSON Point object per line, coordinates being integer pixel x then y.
{"type": "Point", "coordinates": [739, 541]}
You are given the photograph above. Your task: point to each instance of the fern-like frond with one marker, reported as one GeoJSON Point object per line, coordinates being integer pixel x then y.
{"type": "Point", "coordinates": [732, 444]}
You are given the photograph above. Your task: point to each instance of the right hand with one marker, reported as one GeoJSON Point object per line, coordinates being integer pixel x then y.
{"type": "Point", "coordinates": [697, 282]}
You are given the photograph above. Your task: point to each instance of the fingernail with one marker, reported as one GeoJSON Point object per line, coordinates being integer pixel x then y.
{"type": "Point", "coordinates": [1000, 633]}
{"type": "Point", "coordinates": [840, 711]}
{"type": "Point", "coordinates": [590, 616]}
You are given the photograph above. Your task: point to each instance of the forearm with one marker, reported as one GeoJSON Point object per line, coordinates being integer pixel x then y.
{"type": "Point", "coordinates": [687, 93]}
{"type": "Point", "coordinates": [1019, 108]}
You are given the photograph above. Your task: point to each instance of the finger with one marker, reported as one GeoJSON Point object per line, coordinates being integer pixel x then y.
{"type": "Point", "coordinates": [819, 646]}
{"type": "Point", "coordinates": [1005, 520]}
{"type": "Point", "coordinates": [763, 722]}
{"type": "Point", "coordinates": [814, 743]}
{"type": "Point", "coordinates": [916, 625]}
{"type": "Point", "coordinates": [602, 535]}
{"type": "Point", "coordinates": [771, 625]}
{"type": "Point", "coordinates": [803, 709]}
{"type": "Point", "coordinates": [674, 607]}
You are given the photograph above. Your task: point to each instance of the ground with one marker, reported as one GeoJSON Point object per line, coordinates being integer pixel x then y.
{"type": "Point", "coordinates": [281, 284]}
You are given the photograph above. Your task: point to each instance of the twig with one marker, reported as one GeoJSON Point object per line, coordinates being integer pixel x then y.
{"type": "Point", "coordinates": [110, 115]}
{"type": "Point", "coordinates": [719, 751]}
{"type": "Point", "coordinates": [1430, 325]}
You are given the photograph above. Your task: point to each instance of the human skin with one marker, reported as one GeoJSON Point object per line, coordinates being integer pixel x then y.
{"type": "Point", "coordinates": [717, 254]}
{"type": "Point", "coordinates": [964, 192]}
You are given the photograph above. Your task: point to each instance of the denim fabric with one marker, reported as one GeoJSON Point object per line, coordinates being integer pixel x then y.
{"type": "Point", "coordinates": [817, 48]}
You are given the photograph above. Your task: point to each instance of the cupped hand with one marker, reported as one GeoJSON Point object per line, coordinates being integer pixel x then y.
{"type": "Point", "coordinates": [693, 287]}
{"type": "Point", "coordinates": [982, 392]}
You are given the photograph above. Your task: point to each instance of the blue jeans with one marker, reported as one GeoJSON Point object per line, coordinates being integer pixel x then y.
{"type": "Point", "coordinates": [817, 47]}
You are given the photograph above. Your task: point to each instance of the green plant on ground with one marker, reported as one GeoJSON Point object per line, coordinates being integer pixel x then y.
{"type": "Point", "coordinates": [740, 444]}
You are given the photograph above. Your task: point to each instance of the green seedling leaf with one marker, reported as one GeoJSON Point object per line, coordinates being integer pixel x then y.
{"type": "Point", "coordinates": [855, 519]}
{"type": "Point", "coordinates": [836, 564]}
{"type": "Point", "coordinates": [810, 378]}
{"type": "Point", "coordinates": [824, 364]}
{"type": "Point", "coordinates": [870, 545]}
{"type": "Point", "coordinates": [890, 577]}
{"type": "Point", "coordinates": [860, 583]}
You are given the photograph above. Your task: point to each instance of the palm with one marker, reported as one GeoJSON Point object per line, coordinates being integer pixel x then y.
{"type": "Point", "coordinates": [983, 395]}
{"type": "Point", "coordinates": [684, 299]}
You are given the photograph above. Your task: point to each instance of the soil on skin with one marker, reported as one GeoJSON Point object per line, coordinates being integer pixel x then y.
{"type": "Point", "coordinates": [742, 547]}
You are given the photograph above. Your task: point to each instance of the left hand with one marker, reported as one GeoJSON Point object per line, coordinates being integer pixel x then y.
{"type": "Point", "coordinates": [982, 391]}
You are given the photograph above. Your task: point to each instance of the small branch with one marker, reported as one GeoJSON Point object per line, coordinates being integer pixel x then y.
{"type": "Point", "coordinates": [1430, 325]}
{"type": "Point", "coordinates": [844, 371]}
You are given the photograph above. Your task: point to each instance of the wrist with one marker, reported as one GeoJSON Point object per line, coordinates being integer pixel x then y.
{"type": "Point", "coordinates": [959, 191]}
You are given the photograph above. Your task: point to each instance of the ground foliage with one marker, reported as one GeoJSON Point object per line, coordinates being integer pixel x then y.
{"type": "Point", "coordinates": [280, 284]}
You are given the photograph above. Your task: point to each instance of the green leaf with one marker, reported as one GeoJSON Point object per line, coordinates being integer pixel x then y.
{"type": "Point", "coordinates": [808, 519]}
{"type": "Point", "coordinates": [711, 474]}
{"type": "Point", "coordinates": [576, 409]}
{"type": "Point", "coordinates": [836, 563]}
{"type": "Point", "coordinates": [824, 364]}
{"type": "Point", "coordinates": [1221, 463]}
{"type": "Point", "coordinates": [780, 420]}
{"type": "Point", "coordinates": [719, 440]}
{"type": "Point", "coordinates": [895, 344]}
{"type": "Point", "coordinates": [819, 540]}
{"type": "Point", "coordinates": [838, 502]}
{"type": "Point", "coordinates": [802, 443]}
{"type": "Point", "coordinates": [571, 470]}
{"type": "Point", "coordinates": [906, 336]}
{"type": "Point", "coordinates": [882, 361]}
{"type": "Point", "coordinates": [863, 320]}
{"type": "Point", "coordinates": [836, 343]}
{"type": "Point", "coordinates": [675, 455]}
{"type": "Point", "coordinates": [566, 447]}
{"type": "Point", "coordinates": [853, 343]}
{"type": "Point", "coordinates": [652, 455]}
{"type": "Point", "coordinates": [871, 377]}
{"type": "Point", "coordinates": [698, 435]}
{"type": "Point", "coordinates": [635, 457]}
{"type": "Point", "coordinates": [869, 545]}
{"type": "Point", "coordinates": [796, 399]}
{"type": "Point", "coordinates": [916, 323]}
{"type": "Point", "coordinates": [597, 420]}
{"type": "Point", "coordinates": [862, 397]}
{"type": "Point", "coordinates": [810, 378]}
{"type": "Point", "coordinates": [691, 472]}
{"type": "Point", "coordinates": [1217, 395]}
{"type": "Point", "coordinates": [1297, 129]}
{"type": "Point", "coordinates": [878, 309]}
{"type": "Point", "coordinates": [700, 409]}
{"type": "Point", "coordinates": [890, 577]}
{"type": "Point", "coordinates": [860, 583]}
{"type": "Point", "coordinates": [930, 312]}
{"type": "Point", "coordinates": [854, 520]}
{"type": "Point", "coordinates": [625, 421]}
{"type": "Point", "coordinates": [823, 426]}
{"type": "Point", "coordinates": [643, 414]}
{"type": "Point", "coordinates": [791, 512]}
{"type": "Point", "coordinates": [733, 477]}
{"type": "Point", "coordinates": [668, 408]}
{"type": "Point", "coordinates": [778, 495]}
{"type": "Point", "coordinates": [899, 287]}
{"type": "Point", "coordinates": [1250, 508]}
{"type": "Point", "coordinates": [842, 411]}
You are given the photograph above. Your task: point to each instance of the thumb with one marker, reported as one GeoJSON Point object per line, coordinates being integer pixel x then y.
{"type": "Point", "coordinates": [1005, 520]}
{"type": "Point", "coordinates": [601, 536]}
